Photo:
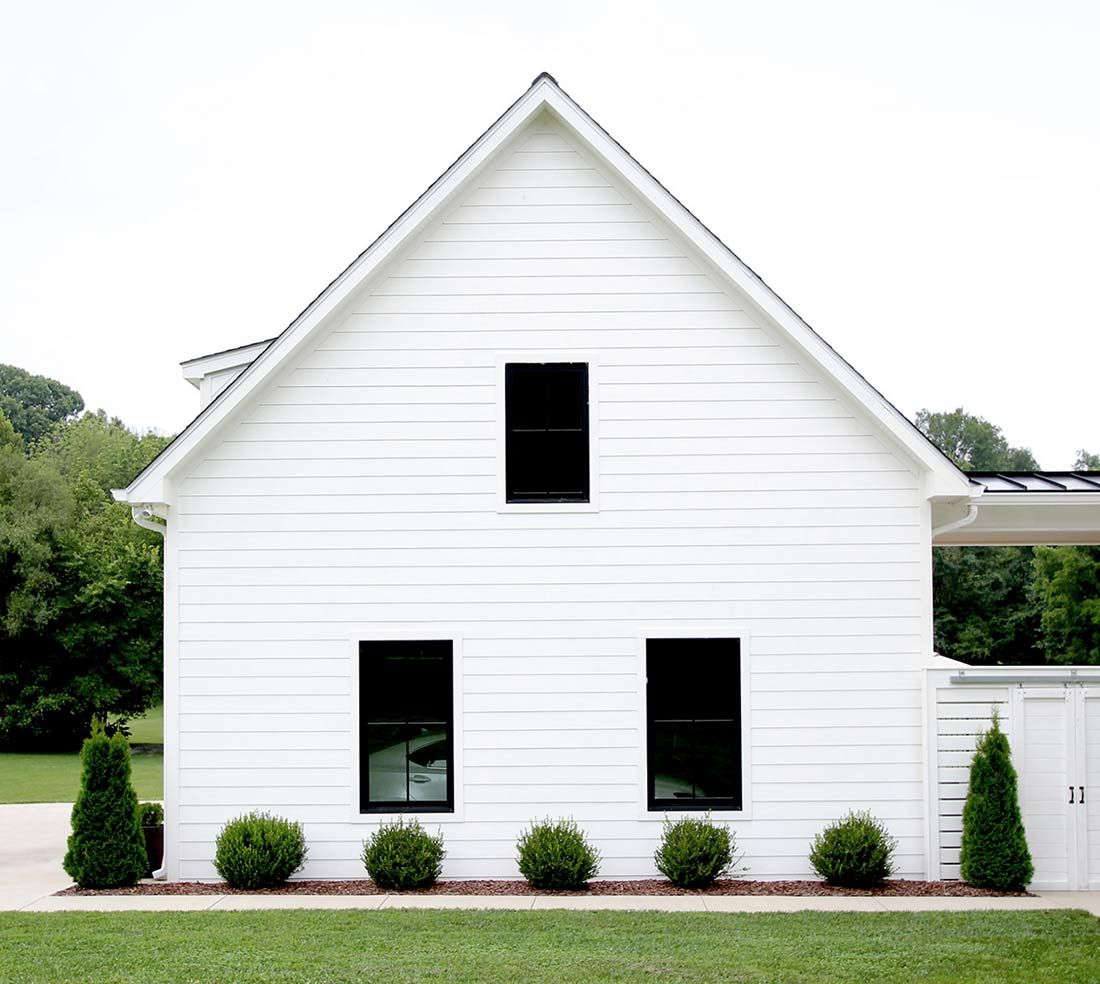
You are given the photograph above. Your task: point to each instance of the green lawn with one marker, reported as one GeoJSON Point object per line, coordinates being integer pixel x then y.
{"type": "Point", "coordinates": [560, 947]}
{"type": "Point", "coordinates": [149, 729]}
{"type": "Point", "coordinates": [32, 777]}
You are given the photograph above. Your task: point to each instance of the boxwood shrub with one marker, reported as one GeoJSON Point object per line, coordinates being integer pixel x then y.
{"type": "Point", "coordinates": [855, 851]}
{"type": "Point", "coordinates": [694, 851]}
{"type": "Point", "coordinates": [554, 854]}
{"type": "Point", "coordinates": [402, 856]}
{"type": "Point", "coordinates": [258, 850]}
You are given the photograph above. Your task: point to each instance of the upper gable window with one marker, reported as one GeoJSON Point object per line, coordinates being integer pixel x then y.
{"type": "Point", "coordinates": [546, 432]}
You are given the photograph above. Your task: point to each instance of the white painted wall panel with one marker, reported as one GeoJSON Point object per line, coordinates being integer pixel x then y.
{"type": "Point", "coordinates": [357, 494]}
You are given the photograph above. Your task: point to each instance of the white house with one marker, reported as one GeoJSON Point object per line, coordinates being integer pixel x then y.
{"type": "Point", "coordinates": [549, 506]}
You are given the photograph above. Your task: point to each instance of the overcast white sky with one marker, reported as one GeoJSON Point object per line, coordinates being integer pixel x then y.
{"type": "Point", "coordinates": [920, 181]}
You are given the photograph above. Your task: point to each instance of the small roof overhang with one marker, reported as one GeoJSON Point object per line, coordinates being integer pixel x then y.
{"type": "Point", "coordinates": [1021, 509]}
{"type": "Point", "coordinates": [235, 358]}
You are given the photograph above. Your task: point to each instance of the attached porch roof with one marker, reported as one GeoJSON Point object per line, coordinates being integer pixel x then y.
{"type": "Point", "coordinates": [1022, 509]}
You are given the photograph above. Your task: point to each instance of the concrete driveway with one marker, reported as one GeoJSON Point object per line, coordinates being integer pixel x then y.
{"type": "Point", "coordinates": [33, 838]}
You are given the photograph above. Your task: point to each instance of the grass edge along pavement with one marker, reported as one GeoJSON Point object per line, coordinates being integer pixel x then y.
{"type": "Point", "coordinates": [460, 946]}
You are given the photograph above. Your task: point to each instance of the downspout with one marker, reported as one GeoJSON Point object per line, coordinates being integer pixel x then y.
{"type": "Point", "coordinates": [143, 515]}
{"type": "Point", "coordinates": [931, 798]}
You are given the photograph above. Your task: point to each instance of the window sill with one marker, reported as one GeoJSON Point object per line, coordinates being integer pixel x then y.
{"type": "Point", "coordinates": [548, 507]}
{"type": "Point", "coordinates": [719, 816]}
{"type": "Point", "coordinates": [426, 817]}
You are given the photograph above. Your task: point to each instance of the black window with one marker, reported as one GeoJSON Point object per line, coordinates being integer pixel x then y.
{"type": "Point", "coordinates": [693, 724]}
{"type": "Point", "coordinates": [406, 734]}
{"type": "Point", "coordinates": [546, 424]}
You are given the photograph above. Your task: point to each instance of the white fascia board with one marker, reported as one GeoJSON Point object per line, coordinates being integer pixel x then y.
{"type": "Point", "coordinates": [195, 369]}
{"type": "Point", "coordinates": [941, 476]}
{"type": "Point", "coordinates": [150, 486]}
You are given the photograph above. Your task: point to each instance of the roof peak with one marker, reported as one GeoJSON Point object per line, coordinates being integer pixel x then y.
{"type": "Point", "coordinates": [543, 75]}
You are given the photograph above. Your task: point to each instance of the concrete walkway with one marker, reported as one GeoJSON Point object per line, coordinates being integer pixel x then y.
{"type": "Point", "coordinates": [33, 838]}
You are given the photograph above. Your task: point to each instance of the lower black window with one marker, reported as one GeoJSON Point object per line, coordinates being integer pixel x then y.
{"type": "Point", "coordinates": [406, 741]}
{"type": "Point", "coordinates": [693, 719]}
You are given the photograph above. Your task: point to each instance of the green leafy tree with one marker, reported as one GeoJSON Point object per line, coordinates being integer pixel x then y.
{"type": "Point", "coordinates": [984, 609]}
{"type": "Point", "coordinates": [80, 585]}
{"type": "Point", "coordinates": [106, 847]}
{"type": "Point", "coordinates": [36, 510]}
{"type": "Point", "coordinates": [1067, 591]}
{"type": "Point", "coordinates": [10, 438]}
{"type": "Point", "coordinates": [994, 848]}
{"type": "Point", "coordinates": [99, 449]}
{"type": "Point", "coordinates": [972, 442]}
{"type": "Point", "coordinates": [33, 403]}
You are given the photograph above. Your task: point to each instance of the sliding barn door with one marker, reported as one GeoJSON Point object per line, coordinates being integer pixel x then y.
{"type": "Point", "coordinates": [1045, 757]}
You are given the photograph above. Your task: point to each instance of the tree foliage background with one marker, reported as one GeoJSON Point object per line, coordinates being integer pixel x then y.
{"type": "Point", "coordinates": [1004, 605]}
{"type": "Point", "coordinates": [34, 404]}
{"type": "Point", "coordinates": [80, 584]}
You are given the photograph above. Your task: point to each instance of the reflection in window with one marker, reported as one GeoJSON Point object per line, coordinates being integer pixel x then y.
{"type": "Point", "coordinates": [405, 732]}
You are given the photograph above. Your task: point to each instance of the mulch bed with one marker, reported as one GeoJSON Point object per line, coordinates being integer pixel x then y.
{"type": "Point", "coordinates": [648, 886]}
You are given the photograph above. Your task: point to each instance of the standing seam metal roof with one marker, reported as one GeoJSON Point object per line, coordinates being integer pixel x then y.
{"type": "Point", "coordinates": [1036, 481]}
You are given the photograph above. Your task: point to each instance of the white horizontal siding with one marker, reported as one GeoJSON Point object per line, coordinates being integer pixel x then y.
{"type": "Point", "coordinates": [358, 494]}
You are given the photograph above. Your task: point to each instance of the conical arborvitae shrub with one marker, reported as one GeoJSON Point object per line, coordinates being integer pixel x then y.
{"type": "Point", "coordinates": [106, 847]}
{"type": "Point", "coordinates": [994, 848]}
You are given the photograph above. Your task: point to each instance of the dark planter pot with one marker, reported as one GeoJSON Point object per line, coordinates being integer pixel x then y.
{"type": "Point", "coordinates": [154, 848]}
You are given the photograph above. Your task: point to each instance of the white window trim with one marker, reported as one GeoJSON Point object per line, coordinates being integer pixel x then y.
{"type": "Point", "coordinates": [427, 817]}
{"type": "Point", "coordinates": [543, 355]}
{"type": "Point", "coordinates": [712, 631]}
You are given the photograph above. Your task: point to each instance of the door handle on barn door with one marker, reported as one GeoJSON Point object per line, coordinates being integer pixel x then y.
{"type": "Point", "coordinates": [1071, 794]}
{"type": "Point", "coordinates": [1082, 788]}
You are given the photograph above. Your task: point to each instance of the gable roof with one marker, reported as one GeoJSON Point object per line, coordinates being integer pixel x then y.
{"type": "Point", "coordinates": [942, 477]}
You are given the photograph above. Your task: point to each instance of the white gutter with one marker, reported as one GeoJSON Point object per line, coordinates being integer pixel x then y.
{"type": "Point", "coordinates": [958, 524]}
